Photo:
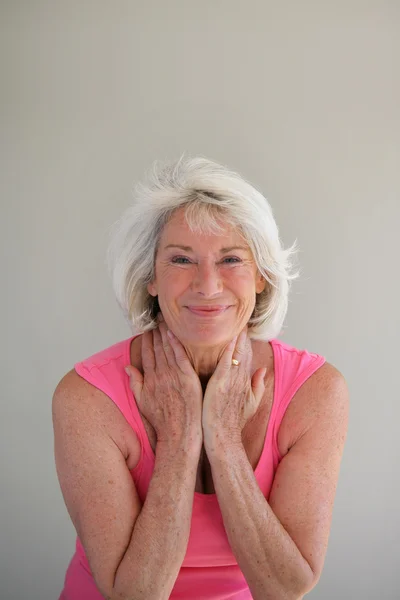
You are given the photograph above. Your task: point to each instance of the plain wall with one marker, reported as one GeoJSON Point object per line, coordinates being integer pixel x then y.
{"type": "Point", "coordinates": [303, 99]}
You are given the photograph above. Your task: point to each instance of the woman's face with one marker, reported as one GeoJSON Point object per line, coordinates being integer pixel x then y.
{"type": "Point", "coordinates": [206, 284]}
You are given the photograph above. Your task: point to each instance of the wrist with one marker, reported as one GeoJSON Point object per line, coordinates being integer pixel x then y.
{"type": "Point", "coordinates": [221, 441]}
{"type": "Point", "coordinates": [188, 443]}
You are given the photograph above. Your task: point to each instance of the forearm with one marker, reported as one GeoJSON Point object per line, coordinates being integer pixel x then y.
{"type": "Point", "coordinates": [268, 557]}
{"type": "Point", "coordinates": [160, 535]}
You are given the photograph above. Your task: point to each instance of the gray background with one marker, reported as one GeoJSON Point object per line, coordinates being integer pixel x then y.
{"type": "Point", "coordinates": [303, 99]}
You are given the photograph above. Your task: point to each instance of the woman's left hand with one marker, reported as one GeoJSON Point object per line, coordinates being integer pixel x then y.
{"type": "Point", "coordinates": [232, 395]}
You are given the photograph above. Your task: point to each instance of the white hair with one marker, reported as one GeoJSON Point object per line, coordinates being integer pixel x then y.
{"type": "Point", "coordinates": [206, 190]}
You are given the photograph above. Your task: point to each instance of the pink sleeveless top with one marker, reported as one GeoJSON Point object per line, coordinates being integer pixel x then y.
{"type": "Point", "coordinates": [209, 570]}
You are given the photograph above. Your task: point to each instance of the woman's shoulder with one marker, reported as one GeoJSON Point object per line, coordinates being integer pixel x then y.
{"type": "Point", "coordinates": [313, 365]}
{"type": "Point", "coordinates": [313, 388]}
{"type": "Point", "coordinates": [94, 393]}
{"type": "Point", "coordinates": [290, 361]}
{"type": "Point", "coordinates": [77, 400]}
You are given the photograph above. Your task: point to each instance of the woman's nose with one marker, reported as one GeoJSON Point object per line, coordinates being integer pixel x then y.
{"type": "Point", "coordinates": [207, 280]}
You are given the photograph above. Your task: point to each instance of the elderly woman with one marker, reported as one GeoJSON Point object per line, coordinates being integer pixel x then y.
{"type": "Point", "coordinates": [199, 458]}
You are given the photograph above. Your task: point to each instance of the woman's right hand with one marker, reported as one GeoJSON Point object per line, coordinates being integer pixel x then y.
{"type": "Point", "coordinates": [169, 393]}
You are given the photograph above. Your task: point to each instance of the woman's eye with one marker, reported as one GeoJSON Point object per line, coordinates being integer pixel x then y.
{"type": "Point", "coordinates": [183, 260]}
{"type": "Point", "coordinates": [234, 259]}
{"type": "Point", "coordinates": [180, 260]}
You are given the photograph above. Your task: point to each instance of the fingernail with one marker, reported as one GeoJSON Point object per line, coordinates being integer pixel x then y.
{"type": "Point", "coordinates": [170, 334]}
{"type": "Point", "coordinates": [127, 371]}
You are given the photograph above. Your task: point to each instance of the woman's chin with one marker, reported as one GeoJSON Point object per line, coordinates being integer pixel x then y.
{"type": "Point", "coordinates": [206, 336]}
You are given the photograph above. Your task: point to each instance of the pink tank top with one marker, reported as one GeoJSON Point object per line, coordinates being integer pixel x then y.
{"type": "Point", "coordinates": [209, 570]}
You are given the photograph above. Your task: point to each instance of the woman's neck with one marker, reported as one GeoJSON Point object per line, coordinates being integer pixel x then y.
{"type": "Point", "coordinates": [204, 360]}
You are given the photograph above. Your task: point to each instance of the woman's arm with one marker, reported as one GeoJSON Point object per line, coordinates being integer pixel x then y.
{"type": "Point", "coordinates": [280, 545]}
{"type": "Point", "coordinates": [134, 551]}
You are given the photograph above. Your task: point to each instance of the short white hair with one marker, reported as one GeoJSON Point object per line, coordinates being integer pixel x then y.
{"type": "Point", "coordinates": [206, 190]}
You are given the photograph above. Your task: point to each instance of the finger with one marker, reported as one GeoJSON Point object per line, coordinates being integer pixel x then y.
{"type": "Point", "coordinates": [225, 362]}
{"type": "Point", "coordinates": [161, 361]}
{"type": "Point", "coordinates": [258, 384]}
{"type": "Point", "coordinates": [181, 357]}
{"type": "Point", "coordinates": [241, 347]}
{"type": "Point", "coordinates": [168, 350]}
{"type": "Point", "coordinates": [243, 350]}
{"type": "Point", "coordinates": [148, 359]}
{"type": "Point", "coordinates": [135, 381]}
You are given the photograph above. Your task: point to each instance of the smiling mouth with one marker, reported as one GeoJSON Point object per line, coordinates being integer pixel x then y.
{"type": "Point", "coordinates": [208, 311]}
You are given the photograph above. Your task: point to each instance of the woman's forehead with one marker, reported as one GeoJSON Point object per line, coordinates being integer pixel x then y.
{"type": "Point", "coordinates": [177, 231]}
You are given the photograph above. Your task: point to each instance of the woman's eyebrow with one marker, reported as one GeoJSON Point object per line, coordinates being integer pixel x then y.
{"type": "Point", "coordinates": [222, 250]}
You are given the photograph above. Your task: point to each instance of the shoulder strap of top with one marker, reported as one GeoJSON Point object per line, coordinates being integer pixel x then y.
{"type": "Point", "coordinates": [105, 370]}
{"type": "Point", "coordinates": [292, 368]}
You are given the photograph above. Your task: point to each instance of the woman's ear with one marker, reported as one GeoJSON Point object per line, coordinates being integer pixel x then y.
{"type": "Point", "coordinates": [152, 288]}
{"type": "Point", "coordinates": [260, 283]}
